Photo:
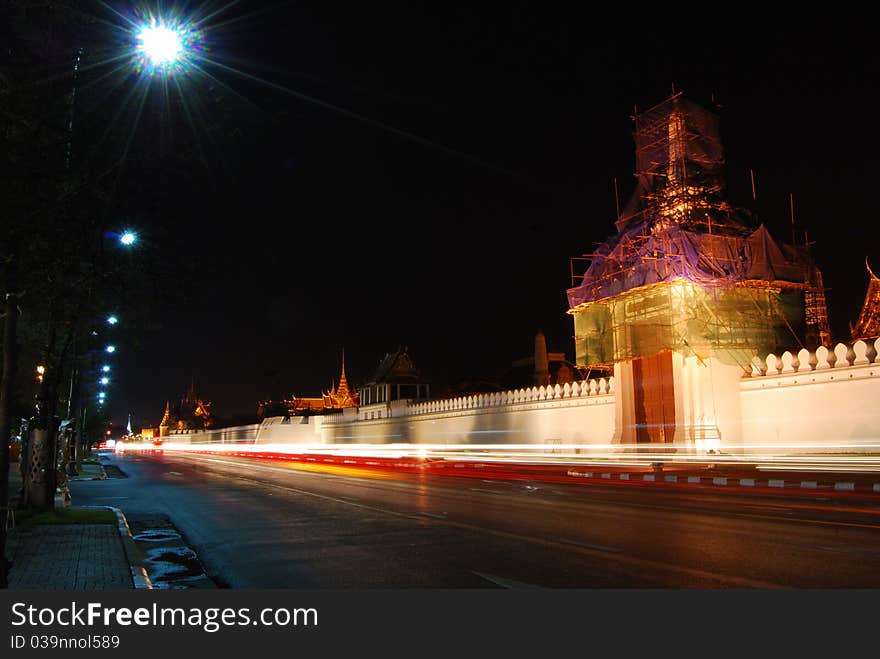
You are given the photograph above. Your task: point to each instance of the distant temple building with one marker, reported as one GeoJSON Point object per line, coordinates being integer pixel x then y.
{"type": "Point", "coordinates": [338, 398]}
{"type": "Point", "coordinates": [395, 381]}
{"type": "Point", "coordinates": [189, 412]}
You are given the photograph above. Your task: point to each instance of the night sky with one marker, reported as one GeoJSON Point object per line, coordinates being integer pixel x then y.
{"type": "Point", "coordinates": [378, 175]}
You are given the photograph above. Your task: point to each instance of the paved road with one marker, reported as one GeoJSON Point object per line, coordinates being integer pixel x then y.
{"type": "Point", "coordinates": [263, 525]}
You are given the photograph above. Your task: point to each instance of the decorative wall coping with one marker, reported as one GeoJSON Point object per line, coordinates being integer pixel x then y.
{"type": "Point", "coordinates": [860, 353]}
{"type": "Point", "coordinates": [214, 431]}
{"type": "Point", "coordinates": [567, 391]}
{"type": "Point", "coordinates": [574, 391]}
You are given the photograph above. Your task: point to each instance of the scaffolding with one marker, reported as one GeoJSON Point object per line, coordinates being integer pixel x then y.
{"type": "Point", "coordinates": [685, 271]}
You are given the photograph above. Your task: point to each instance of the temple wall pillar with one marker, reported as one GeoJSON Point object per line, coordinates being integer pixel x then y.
{"type": "Point", "coordinates": [624, 404]}
{"type": "Point", "coordinates": [707, 400]}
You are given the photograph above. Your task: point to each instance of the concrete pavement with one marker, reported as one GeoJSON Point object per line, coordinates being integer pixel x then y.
{"type": "Point", "coordinates": [71, 556]}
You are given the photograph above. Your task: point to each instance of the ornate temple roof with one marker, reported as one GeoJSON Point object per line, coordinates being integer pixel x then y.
{"type": "Point", "coordinates": [396, 367]}
{"type": "Point", "coordinates": [189, 411]}
{"type": "Point", "coordinates": [341, 396]}
{"type": "Point", "coordinates": [868, 324]}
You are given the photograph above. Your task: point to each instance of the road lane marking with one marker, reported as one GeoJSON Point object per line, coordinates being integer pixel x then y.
{"type": "Point", "coordinates": [846, 550]}
{"type": "Point", "coordinates": [768, 507]}
{"type": "Point", "coordinates": [808, 521]}
{"type": "Point", "coordinates": [590, 546]}
{"type": "Point", "coordinates": [504, 583]}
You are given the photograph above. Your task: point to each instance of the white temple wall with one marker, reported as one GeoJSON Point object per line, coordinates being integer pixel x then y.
{"type": "Point", "coordinates": [576, 413]}
{"type": "Point", "coordinates": [290, 430]}
{"type": "Point", "coordinates": [538, 423]}
{"type": "Point", "coordinates": [806, 402]}
{"type": "Point", "coordinates": [824, 401]}
{"type": "Point", "coordinates": [231, 435]}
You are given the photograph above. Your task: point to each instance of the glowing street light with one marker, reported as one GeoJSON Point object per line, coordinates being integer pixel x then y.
{"type": "Point", "coordinates": [165, 45]}
{"type": "Point", "coordinates": [112, 320]}
{"type": "Point", "coordinates": [110, 349]}
{"type": "Point", "coordinates": [161, 44]}
{"type": "Point", "coordinates": [128, 238]}
{"type": "Point", "coordinates": [104, 380]}
{"type": "Point", "coordinates": [105, 368]}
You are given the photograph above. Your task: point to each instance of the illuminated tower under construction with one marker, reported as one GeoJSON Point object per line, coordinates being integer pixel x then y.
{"type": "Point", "coordinates": [686, 289]}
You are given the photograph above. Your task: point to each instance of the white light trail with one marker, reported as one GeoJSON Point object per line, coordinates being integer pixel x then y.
{"type": "Point", "coordinates": [547, 454]}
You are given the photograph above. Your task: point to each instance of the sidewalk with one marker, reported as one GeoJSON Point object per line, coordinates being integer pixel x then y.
{"type": "Point", "coordinates": [71, 556]}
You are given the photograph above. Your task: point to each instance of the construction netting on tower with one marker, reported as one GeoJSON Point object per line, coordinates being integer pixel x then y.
{"type": "Point", "coordinates": [684, 270]}
{"type": "Point", "coordinates": [730, 323]}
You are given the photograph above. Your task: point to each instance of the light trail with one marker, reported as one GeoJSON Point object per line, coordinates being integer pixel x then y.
{"type": "Point", "coordinates": [610, 456]}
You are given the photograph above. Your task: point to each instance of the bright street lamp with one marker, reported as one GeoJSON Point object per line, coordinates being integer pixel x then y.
{"type": "Point", "coordinates": [105, 368]}
{"type": "Point", "coordinates": [128, 238]}
{"type": "Point", "coordinates": [160, 44]}
{"type": "Point", "coordinates": [165, 45]}
{"type": "Point", "coordinates": [104, 380]}
{"type": "Point", "coordinates": [110, 349]}
{"type": "Point", "coordinates": [112, 320]}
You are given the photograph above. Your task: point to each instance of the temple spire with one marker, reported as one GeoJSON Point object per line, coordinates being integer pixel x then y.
{"type": "Point", "coordinates": [868, 324]}
{"type": "Point", "coordinates": [341, 396]}
{"type": "Point", "coordinates": [342, 390]}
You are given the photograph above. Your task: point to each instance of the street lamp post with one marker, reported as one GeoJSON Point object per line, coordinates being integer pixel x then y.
{"type": "Point", "coordinates": [127, 239]}
{"type": "Point", "coordinates": [162, 47]}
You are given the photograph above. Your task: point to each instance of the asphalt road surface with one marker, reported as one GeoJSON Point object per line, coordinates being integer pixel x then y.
{"type": "Point", "coordinates": [265, 524]}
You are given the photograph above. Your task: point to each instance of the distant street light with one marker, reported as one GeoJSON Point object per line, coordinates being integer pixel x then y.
{"type": "Point", "coordinates": [105, 368]}
{"type": "Point", "coordinates": [110, 349]}
{"type": "Point", "coordinates": [128, 238]}
{"type": "Point", "coordinates": [105, 380]}
{"type": "Point", "coordinates": [112, 320]}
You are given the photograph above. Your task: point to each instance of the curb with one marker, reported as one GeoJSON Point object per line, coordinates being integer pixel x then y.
{"type": "Point", "coordinates": [838, 486]}
{"type": "Point", "coordinates": [78, 477]}
{"type": "Point", "coordinates": [139, 576]}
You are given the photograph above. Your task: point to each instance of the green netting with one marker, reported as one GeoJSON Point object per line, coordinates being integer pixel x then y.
{"type": "Point", "coordinates": [732, 324]}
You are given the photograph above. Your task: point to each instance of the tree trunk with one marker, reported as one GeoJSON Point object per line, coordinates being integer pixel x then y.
{"type": "Point", "coordinates": [10, 363]}
{"type": "Point", "coordinates": [40, 483]}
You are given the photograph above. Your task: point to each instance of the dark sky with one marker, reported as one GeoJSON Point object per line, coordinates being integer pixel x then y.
{"type": "Point", "coordinates": [417, 174]}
